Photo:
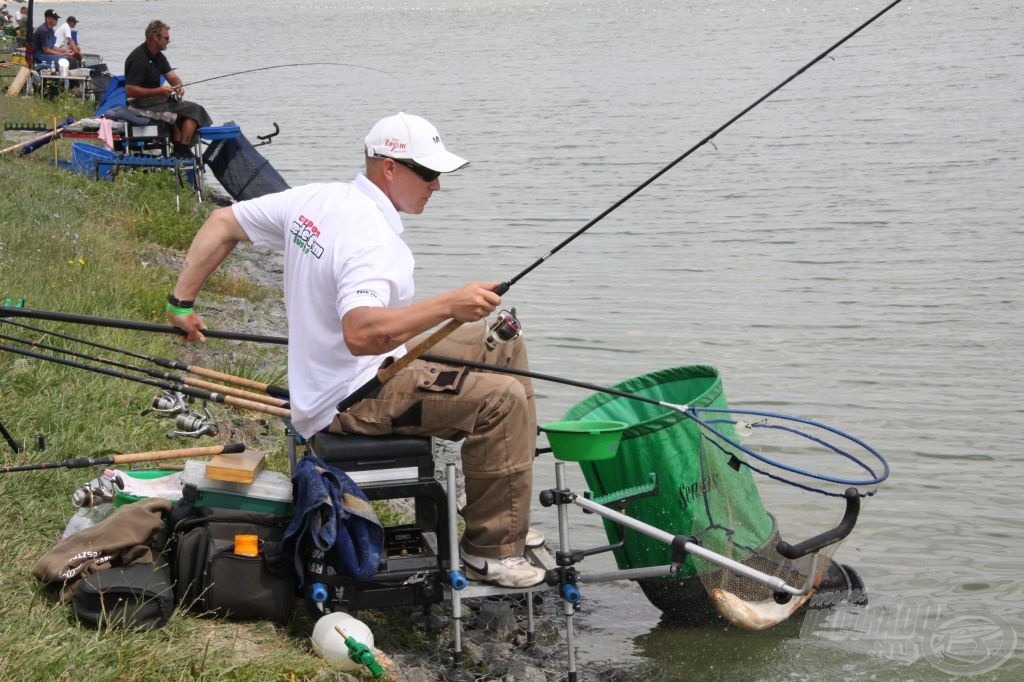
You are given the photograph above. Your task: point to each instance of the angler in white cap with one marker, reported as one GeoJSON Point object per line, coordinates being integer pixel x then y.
{"type": "Point", "coordinates": [349, 298]}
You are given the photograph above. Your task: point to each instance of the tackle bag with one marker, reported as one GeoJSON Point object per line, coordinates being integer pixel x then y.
{"type": "Point", "coordinates": [137, 596]}
{"type": "Point", "coordinates": [229, 563]}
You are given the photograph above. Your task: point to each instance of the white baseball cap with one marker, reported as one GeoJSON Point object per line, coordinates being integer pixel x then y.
{"type": "Point", "coordinates": [404, 136]}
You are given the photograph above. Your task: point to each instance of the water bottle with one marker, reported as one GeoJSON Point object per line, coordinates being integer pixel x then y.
{"type": "Point", "coordinates": [84, 518]}
{"type": "Point", "coordinates": [92, 502]}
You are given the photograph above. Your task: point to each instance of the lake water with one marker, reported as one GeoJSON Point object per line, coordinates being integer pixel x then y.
{"type": "Point", "coordinates": [850, 251]}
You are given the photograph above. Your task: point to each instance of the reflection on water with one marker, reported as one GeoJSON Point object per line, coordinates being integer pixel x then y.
{"type": "Point", "coordinates": [849, 251]}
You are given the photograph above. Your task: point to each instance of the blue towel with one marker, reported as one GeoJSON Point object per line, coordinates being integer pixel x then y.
{"type": "Point", "coordinates": [333, 515]}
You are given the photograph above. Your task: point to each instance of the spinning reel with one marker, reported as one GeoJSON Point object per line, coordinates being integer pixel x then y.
{"type": "Point", "coordinates": [172, 404]}
{"type": "Point", "coordinates": [504, 329]}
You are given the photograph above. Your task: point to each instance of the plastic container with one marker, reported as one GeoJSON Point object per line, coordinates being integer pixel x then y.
{"type": "Point", "coordinates": [88, 159]}
{"type": "Point", "coordinates": [270, 493]}
{"type": "Point", "coordinates": [329, 643]}
{"type": "Point", "coordinates": [584, 441]}
{"type": "Point", "coordinates": [122, 498]}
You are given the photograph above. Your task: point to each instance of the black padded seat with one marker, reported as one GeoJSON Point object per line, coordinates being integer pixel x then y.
{"type": "Point", "coordinates": [397, 454]}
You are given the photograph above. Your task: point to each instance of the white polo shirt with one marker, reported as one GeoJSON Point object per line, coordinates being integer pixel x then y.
{"type": "Point", "coordinates": [62, 35]}
{"type": "Point", "coordinates": [342, 249]}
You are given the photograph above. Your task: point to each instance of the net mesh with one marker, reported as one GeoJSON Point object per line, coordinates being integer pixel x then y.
{"type": "Point", "coordinates": [241, 170]}
{"type": "Point", "coordinates": [706, 490]}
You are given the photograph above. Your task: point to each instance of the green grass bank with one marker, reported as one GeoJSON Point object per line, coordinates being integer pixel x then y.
{"type": "Point", "coordinates": [110, 249]}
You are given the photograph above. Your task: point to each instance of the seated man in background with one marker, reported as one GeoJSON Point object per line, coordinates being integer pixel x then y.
{"type": "Point", "coordinates": [143, 70]}
{"type": "Point", "coordinates": [44, 54]}
{"type": "Point", "coordinates": [64, 38]}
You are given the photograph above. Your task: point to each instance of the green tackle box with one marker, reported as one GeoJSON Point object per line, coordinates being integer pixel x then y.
{"type": "Point", "coordinates": [270, 493]}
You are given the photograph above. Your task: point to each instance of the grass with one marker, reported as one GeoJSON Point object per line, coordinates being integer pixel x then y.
{"type": "Point", "coordinates": [72, 244]}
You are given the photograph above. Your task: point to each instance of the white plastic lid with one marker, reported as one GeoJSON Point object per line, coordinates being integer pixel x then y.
{"type": "Point", "coordinates": [269, 485]}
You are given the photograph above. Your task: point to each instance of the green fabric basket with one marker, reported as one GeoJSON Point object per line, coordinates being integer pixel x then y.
{"type": "Point", "coordinates": [697, 490]}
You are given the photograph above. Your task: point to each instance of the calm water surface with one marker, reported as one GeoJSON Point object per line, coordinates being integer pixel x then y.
{"type": "Point", "coordinates": [851, 251]}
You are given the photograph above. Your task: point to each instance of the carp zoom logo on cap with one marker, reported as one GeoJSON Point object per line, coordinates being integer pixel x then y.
{"type": "Point", "coordinates": [395, 146]}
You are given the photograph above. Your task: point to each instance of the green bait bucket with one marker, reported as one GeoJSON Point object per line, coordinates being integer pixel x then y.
{"type": "Point", "coordinates": [584, 441]}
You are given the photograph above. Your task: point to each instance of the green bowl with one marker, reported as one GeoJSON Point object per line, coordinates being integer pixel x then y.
{"type": "Point", "coordinates": [584, 441]}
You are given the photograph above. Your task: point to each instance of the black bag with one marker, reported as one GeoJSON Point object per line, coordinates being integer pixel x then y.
{"type": "Point", "coordinates": [211, 578]}
{"type": "Point", "coordinates": [136, 596]}
{"type": "Point", "coordinates": [241, 170]}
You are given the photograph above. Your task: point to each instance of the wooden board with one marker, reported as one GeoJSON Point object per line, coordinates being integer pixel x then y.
{"type": "Point", "coordinates": [236, 468]}
{"type": "Point", "coordinates": [18, 84]}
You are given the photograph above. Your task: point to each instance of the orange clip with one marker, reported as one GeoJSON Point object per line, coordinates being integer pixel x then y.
{"type": "Point", "coordinates": [247, 545]}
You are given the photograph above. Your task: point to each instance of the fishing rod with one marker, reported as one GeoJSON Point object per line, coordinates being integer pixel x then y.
{"type": "Point", "coordinates": [165, 385]}
{"type": "Point", "coordinates": [14, 444]}
{"type": "Point", "coordinates": [12, 311]}
{"type": "Point", "coordinates": [39, 140]}
{"type": "Point", "coordinates": [283, 66]}
{"type": "Point", "coordinates": [270, 389]}
{"type": "Point", "coordinates": [130, 458]}
{"type": "Point", "coordinates": [156, 374]}
{"type": "Point", "coordinates": [393, 366]}
{"type": "Point", "coordinates": [695, 413]}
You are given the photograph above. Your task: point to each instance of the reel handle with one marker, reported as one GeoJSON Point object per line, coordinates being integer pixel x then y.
{"type": "Point", "coordinates": [829, 537]}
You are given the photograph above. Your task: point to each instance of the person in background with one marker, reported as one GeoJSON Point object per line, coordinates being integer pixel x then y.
{"type": "Point", "coordinates": [349, 299]}
{"type": "Point", "coordinates": [43, 52]}
{"type": "Point", "coordinates": [144, 70]}
{"type": "Point", "coordinates": [64, 38]}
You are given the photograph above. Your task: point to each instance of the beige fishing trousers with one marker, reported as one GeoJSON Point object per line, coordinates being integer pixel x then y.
{"type": "Point", "coordinates": [495, 414]}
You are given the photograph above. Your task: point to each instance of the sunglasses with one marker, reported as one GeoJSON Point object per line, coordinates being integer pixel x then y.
{"type": "Point", "coordinates": [425, 174]}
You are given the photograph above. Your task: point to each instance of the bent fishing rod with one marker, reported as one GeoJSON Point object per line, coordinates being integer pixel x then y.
{"type": "Point", "coordinates": [270, 389]}
{"type": "Point", "coordinates": [130, 458]}
{"type": "Point", "coordinates": [283, 66]}
{"type": "Point", "coordinates": [393, 366]}
{"type": "Point", "coordinates": [165, 385]}
{"type": "Point", "coordinates": [156, 374]}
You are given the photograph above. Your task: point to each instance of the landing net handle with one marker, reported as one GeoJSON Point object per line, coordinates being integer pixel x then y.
{"type": "Point", "coordinates": [681, 544]}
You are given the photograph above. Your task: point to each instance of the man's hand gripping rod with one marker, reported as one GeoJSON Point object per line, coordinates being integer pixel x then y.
{"type": "Point", "coordinates": [391, 367]}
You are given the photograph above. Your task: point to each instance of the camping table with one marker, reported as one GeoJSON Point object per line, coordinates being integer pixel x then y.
{"type": "Point", "coordinates": [84, 81]}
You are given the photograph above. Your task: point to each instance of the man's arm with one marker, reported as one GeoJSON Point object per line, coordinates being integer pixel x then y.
{"type": "Point", "coordinates": [213, 242]}
{"type": "Point", "coordinates": [375, 331]}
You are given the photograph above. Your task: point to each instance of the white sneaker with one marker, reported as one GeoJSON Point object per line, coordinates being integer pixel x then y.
{"type": "Point", "coordinates": [513, 571]}
{"type": "Point", "coordinates": [534, 538]}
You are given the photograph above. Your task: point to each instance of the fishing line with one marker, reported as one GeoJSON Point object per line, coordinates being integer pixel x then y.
{"type": "Point", "coordinates": [695, 413]}
{"type": "Point", "coordinates": [282, 66]}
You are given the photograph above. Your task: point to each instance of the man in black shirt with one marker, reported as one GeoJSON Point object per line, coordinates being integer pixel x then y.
{"type": "Point", "coordinates": [142, 78]}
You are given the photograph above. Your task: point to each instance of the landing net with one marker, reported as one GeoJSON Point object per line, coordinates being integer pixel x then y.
{"type": "Point", "coordinates": [704, 457]}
